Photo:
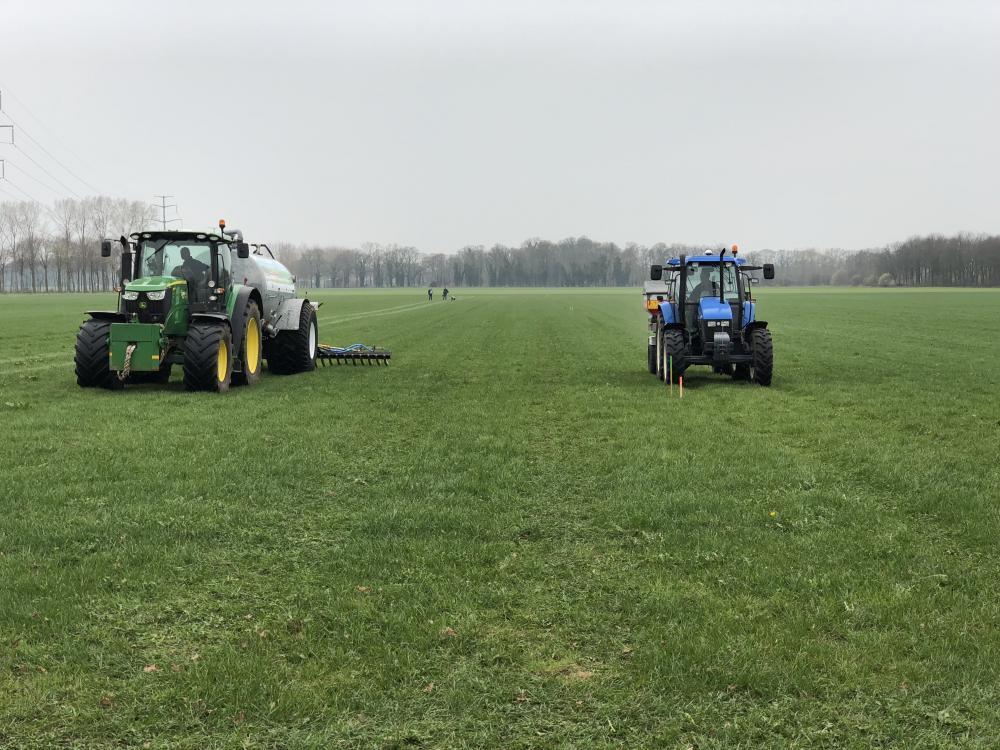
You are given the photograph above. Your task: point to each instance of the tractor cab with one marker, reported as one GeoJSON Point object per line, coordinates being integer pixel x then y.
{"type": "Point", "coordinates": [708, 316]}
{"type": "Point", "coordinates": [159, 269]}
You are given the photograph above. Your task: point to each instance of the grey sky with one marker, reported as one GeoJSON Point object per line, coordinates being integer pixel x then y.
{"type": "Point", "coordinates": [438, 124]}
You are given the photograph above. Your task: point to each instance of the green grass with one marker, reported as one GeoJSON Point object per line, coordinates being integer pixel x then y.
{"type": "Point", "coordinates": [513, 536]}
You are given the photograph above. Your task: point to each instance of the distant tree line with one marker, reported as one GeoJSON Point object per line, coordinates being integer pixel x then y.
{"type": "Point", "coordinates": [934, 260]}
{"type": "Point", "coordinates": [56, 248]}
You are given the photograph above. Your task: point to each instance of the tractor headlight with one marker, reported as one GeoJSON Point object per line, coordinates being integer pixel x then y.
{"type": "Point", "coordinates": [156, 296]}
{"type": "Point", "coordinates": [130, 296]}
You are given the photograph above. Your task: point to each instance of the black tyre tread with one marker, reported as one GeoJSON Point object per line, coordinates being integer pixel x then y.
{"type": "Point", "coordinates": [763, 357]}
{"type": "Point", "coordinates": [673, 346]}
{"type": "Point", "coordinates": [288, 352]}
{"type": "Point", "coordinates": [201, 351]}
{"type": "Point", "coordinates": [243, 377]}
{"type": "Point", "coordinates": [91, 356]}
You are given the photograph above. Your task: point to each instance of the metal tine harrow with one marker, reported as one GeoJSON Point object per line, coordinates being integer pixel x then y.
{"type": "Point", "coordinates": [355, 353]}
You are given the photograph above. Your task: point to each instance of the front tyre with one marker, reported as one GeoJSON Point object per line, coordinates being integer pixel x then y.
{"type": "Point", "coordinates": [208, 358]}
{"type": "Point", "coordinates": [673, 355]}
{"type": "Point", "coordinates": [92, 357]}
{"type": "Point", "coordinates": [763, 357]}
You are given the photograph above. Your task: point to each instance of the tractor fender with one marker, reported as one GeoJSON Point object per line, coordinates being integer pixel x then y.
{"type": "Point", "coordinates": [755, 324]}
{"type": "Point", "coordinates": [238, 323]}
{"type": "Point", "coordinates": [667, 312]}
{"type": "Point", "coordinates": [286, 316]}
{"type": "Point", "coordinates": [116, 317]}
{"type": "Point", "coordinates": [208, 317]}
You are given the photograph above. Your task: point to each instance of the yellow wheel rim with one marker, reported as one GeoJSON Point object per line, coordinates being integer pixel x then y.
{"type": "Point", "coordinates": [253, 345]}
{"type": "Point", "coordinates": [223, 364]}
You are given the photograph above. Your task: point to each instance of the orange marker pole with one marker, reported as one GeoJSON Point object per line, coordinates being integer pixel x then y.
{"type": "Point", "coordinates": [680, 381]}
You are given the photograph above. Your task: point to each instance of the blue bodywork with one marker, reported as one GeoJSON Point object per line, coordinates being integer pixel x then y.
{"type": "Point", "coordinates": [710, 308]}
{"type": "Point", "coordinates": [705, 259]}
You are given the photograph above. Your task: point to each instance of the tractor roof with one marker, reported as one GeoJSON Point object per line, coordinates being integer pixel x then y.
{"type": "Point", "coordinates": [170, 234]}
{"type": "Point", "coordinates": [706, 259]}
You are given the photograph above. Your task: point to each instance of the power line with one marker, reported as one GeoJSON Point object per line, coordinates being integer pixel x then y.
{"type": "Point", "coordinates": [31, 177]}
{"type": "Point", "coordinates": [33, 161]}
{"type": "Point", "coordinates": [28, 135]}
{"type": "Point", "coordinates": [29, 197]}
{"type": "Point", "coordinates": [41, 123]}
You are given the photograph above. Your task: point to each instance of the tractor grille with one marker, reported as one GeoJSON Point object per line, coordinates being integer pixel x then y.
{"type": "Point", "coordinates": [710, 327]}
{"type": "Point", "coordinates": [149, 311]}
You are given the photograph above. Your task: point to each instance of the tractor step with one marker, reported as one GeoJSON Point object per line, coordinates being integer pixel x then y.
{"type": "Point", "coordinates": [355, 353]}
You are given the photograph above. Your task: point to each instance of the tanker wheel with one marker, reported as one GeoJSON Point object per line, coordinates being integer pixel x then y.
{"type": "Point", "coordinates": [92, 356]}
{"type": "Point", "coordinates": [763, 357]}
{"type": "Point", "coordinates": [673, 355]}
{"type": "Point", "coordinates": [295, 351]}
{"type": "Point", "coordinates": [252, 356]}
{"type": "Point", "coordinates": [208, 357]}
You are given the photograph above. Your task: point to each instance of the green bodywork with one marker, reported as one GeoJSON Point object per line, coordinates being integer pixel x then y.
{"type": "Point", "coordinates": [176, 322]}
{"type": "Point", "coordinates": [156, 342]}
{"type": "Point", "coordinates": [147, 340]}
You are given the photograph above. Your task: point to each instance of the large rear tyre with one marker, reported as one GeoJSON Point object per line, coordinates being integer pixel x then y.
{"type": "Point", "coordinates": [252, 356]}
{"type": "Point", "coordinates": [763, 357]}
{"type": "Point", "coordinates": [673, 355]}
{"type": "Point", "coordinates": [295, 351]}
{"type": "Point", "coordinates": [208, 357]}
{"type": "Point", "coordinates": [92, 356]}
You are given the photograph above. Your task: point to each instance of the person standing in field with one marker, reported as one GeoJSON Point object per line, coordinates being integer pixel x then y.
{"type": "Point", "coordinates": [444, 294]}
{"type": "Point", "coordinates": [430, 294]}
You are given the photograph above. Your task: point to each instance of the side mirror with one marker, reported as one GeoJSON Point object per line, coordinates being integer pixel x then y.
{"type": "Point", "coordinates": [769, 271]}
{"type": "Point", "coordinates": [105, 248]}
{"type": "Point", "coordinates": [655, 273]}
{"type": "Point", "coordinates": [242, 250]}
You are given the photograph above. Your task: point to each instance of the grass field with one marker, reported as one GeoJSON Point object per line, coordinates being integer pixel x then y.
{"type": "Point", "coordinates": [513, 536]}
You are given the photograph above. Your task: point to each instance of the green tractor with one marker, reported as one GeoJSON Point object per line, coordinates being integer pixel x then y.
{"type": "Point", "coordinates": [201, 300]}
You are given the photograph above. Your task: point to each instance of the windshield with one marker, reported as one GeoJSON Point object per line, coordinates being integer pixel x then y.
{"type": "Point", "coordinates": [703, 281]}
{"type": "Point", "coordinates": [183, 260]}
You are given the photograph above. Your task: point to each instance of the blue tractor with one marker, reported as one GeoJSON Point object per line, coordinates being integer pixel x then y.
{"type": "Point", "coordinates": [702, 312]}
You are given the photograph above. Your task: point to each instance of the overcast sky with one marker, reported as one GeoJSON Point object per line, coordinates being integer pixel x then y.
{"type": "Point", "coordinates": [440, 123]}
